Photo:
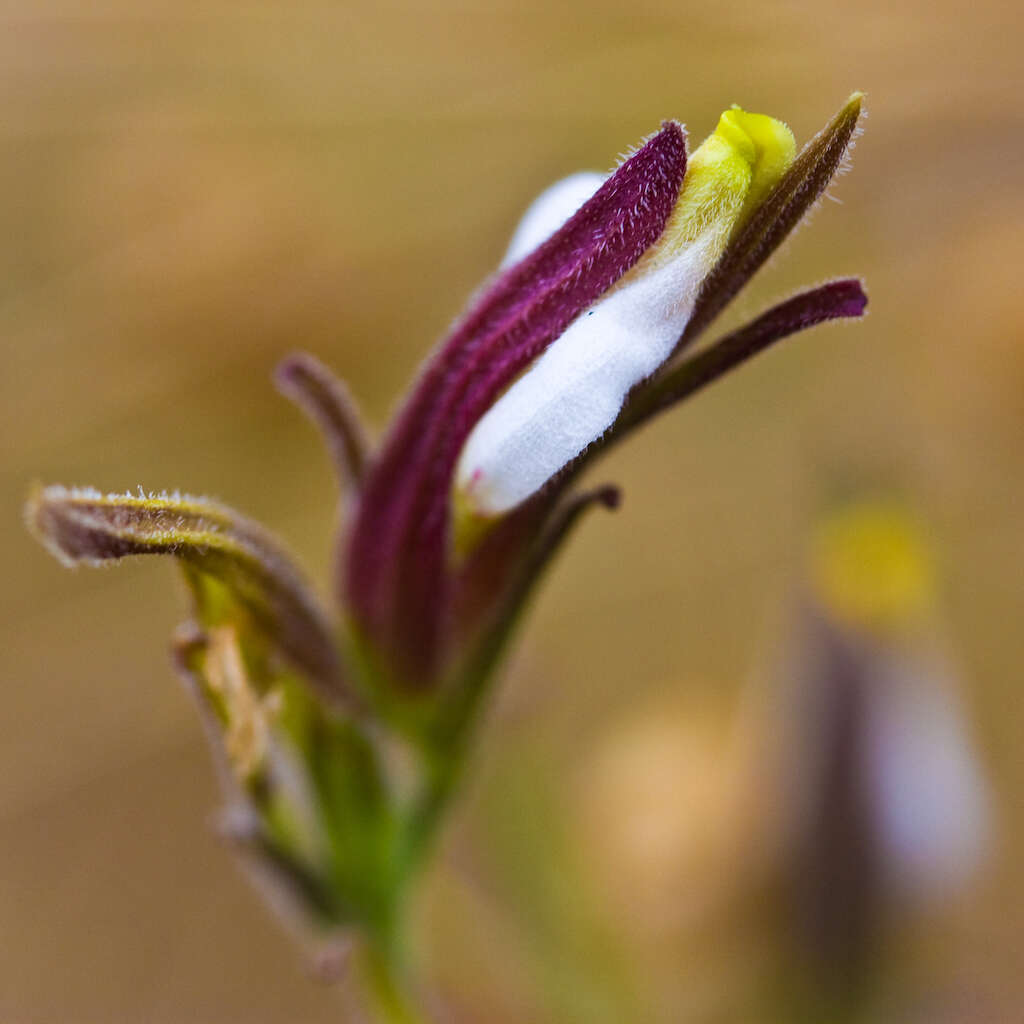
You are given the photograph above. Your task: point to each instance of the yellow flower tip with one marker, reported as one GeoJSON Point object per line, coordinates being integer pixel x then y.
{"type": "Point", "coordinates": [727, 177]}
{"type": "Point", "coordinates": [870, 566]}
{"type": "Point", "coordinates": [767, 145]}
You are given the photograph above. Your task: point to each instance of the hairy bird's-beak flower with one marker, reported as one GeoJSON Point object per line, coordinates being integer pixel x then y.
{"type": "Point", "coordinates": [584, 333]}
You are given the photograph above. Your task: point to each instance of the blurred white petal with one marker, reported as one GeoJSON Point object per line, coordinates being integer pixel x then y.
{"type": "Point", "coordinates": [930, 800]}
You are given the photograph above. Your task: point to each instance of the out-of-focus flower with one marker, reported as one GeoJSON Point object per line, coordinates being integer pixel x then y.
{"type": "Point", "coordinates": [886, 805]}
{"type": "Point", "coordinates": [873, 581]}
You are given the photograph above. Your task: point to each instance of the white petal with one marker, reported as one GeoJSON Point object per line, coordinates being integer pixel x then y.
{"type": "Point", "coordinates": [549, 211]}
{"type": "Point", "coordinates": [574, 391]}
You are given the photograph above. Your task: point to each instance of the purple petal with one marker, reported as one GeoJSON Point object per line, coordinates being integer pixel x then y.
{"type": "Point", "coordinates": [395, 571]}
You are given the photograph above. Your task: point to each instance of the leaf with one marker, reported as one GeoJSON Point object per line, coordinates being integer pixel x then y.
{"type": "Point", "coordinates": [235, 558]}
{"type": "Point", "coordinates": [307, 806]}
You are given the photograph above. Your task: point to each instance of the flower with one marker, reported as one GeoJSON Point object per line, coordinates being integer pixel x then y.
{"type": "Point", "coordinates": [577, 340]}
{"type": "Point", "coordinates": [872, 792]}
{"type": "Point", "coordinates": [582, 336]}
{"type": "Point", "coordinates": [574, 391]}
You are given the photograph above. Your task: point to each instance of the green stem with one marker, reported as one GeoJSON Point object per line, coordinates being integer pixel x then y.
{"type": "Point", "coordinates": [389, 988]}
{"type": "Point", "coordinates": [442, 775]}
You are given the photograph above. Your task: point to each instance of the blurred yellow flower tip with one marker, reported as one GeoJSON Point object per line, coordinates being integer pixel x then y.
{"type": "Point", "coordinates": [871, 567]}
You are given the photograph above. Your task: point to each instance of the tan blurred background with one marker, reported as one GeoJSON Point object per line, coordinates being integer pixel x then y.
{"type": "Point", "coordinates": [189, 190]}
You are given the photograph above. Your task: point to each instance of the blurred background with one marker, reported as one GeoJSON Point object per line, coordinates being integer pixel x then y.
{"type": "Point", "coordinates": [190, 190]}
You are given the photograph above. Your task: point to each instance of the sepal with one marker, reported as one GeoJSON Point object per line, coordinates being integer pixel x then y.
{"type": "Point", "coordinates": [836, 300]}
{"type": "Point", "coordinates": [327, 401]}
{"type": "Point", "coordinates": [496, 585]}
